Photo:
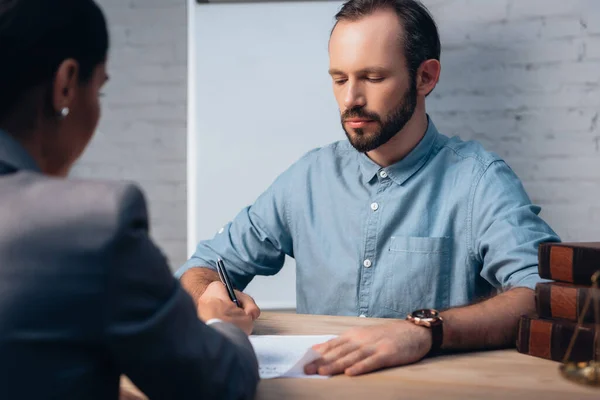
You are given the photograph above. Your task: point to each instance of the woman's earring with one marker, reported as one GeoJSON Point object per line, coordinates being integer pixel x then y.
{"type": "Point", "coordinates": [64, 112]}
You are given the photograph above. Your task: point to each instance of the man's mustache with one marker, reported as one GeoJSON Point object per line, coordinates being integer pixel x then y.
{"type": "Point", "coordinates": [359, 112]}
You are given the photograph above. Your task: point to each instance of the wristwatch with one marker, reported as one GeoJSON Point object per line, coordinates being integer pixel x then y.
{"type": "Point", "coordinates": [431, 319]}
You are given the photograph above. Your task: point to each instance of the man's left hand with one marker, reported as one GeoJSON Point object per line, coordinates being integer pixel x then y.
{"type": "Point", "coordinates": [366, 349]}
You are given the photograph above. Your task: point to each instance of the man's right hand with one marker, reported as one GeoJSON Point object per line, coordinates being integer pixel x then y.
{"type": "Point", "coordinates": [204, 282]}
{"type": "Point", "coordinates": [215, 303]}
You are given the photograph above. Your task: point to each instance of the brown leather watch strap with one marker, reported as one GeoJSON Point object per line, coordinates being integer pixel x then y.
{"type": "Point", "coordinates": [437, 336]}
{"type": "Point", "coordinates": [430, 319]}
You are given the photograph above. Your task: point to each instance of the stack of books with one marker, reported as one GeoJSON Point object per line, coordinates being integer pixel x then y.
{"type": "Point", "coordinates": [559, 304]}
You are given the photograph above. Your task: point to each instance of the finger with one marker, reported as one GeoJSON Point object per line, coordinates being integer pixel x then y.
{"type": "Point", "coordinates": [342, 363]}
{"type": "Point", "coordinates": [371, 363]}
{"type": "Point", "coordinates": [338, 352]}
{"type": "Point", "coordinates": [310, 369]}
{"type": "Point", "coordinates": [329, 345]}
{"type": "Point", "coordinates": [326, 349]}
{"type": "Point", "coordinates": [248, 305]}
{"type": "Point", "coordinates": [125, 394]}
{"type": "Point", "coordinates": [247, 325]}
{"type": "Point", "coordinates": [332, 357]}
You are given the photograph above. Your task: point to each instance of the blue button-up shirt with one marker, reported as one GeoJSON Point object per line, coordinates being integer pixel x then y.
{"type": "Point", "coordinates": [445, 226]}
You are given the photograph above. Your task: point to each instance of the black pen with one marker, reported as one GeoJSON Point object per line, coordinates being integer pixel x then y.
{"type": "Point", "coordinates": [225, 279]}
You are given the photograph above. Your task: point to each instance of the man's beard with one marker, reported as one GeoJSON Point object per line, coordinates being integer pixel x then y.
{"type": "Point", "coordinates": [388, 127]}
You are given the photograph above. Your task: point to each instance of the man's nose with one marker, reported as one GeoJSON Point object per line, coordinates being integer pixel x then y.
{"type": "Point", "coordinates": [354, 97]}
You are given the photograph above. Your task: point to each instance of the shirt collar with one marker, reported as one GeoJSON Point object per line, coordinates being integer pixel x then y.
{"type": "Point", "coordinates": [405, 168]}
{"type": "Point", "coordinates": [13, 154]}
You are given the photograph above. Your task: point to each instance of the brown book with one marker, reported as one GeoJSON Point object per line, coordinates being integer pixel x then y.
{"type": "Point", "coordinates": [572, 262]}
{"type": "Point", "coordinates": [565, 301]}
{"type": "Point", "coordinates": [550, 339]}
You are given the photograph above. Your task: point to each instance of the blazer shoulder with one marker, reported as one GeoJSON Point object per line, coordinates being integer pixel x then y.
{"type": "Point", "coordinates": [93, 210]}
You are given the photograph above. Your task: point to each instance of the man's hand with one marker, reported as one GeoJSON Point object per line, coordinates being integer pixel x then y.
{"type": "Point", "coordinates": [215, 303]}
{"type": "Point", "coordinates": [128, 391]}
{"type": "Point", "coordinates": [196, 281]}
{"type": "Point", "coordinates": [125, 394]}
{"type": "Point", "coordinates": [362, 350]}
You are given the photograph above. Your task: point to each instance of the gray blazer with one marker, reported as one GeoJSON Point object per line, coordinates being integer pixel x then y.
{"type": "Point", "coordinates": [85, 296]}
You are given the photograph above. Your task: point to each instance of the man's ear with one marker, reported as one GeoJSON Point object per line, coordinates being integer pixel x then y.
{"type": "Point", "coordinates": [65, 85]}
{"type": "Point", "coordinates": [428, 76]}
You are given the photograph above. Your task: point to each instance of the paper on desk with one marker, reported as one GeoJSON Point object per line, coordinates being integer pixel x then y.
{"type": "Point", "coordinates": [284, 356]}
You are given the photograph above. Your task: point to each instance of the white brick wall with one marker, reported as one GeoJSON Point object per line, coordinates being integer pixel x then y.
{"type": "Point", "coordinates": [142, 134]}
{"type": "Point", "coordinates": [521, 76]}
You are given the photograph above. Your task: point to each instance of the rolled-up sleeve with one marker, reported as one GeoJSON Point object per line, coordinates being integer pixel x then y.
{"type": "Point", "coordinates": [255, 242]}
{"type": "Point", "coordinates": [506, 229]}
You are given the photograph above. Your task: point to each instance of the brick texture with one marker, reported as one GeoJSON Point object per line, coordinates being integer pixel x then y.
{"type": "Point", "coordinates": [142, 133]}
{"type": "Point", "coordinates": [523, 78]}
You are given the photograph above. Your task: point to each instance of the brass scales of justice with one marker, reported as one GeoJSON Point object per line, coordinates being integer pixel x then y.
{"type": "Point", "coordinates": [585, 372]}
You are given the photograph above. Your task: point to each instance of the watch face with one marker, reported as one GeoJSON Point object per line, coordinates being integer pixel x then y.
{"type": "Point", "coordinates": [425, 314]}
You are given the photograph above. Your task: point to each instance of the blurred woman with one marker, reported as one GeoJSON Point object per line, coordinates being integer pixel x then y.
{"type": "Point", "coordinates": [85, 295]}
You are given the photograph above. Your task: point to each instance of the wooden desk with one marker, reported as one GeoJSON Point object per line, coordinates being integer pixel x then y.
{"type": "Point", "coordinates": [503, 374]}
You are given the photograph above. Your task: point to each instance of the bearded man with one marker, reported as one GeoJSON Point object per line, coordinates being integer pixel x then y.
{"type": "Point", "coordinates": [398, 221]}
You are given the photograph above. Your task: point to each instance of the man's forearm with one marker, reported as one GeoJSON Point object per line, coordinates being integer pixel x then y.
{"type": "Point", "coordinates": [492, 323]}
{"type": "Point", "coordinates": [195, 280]}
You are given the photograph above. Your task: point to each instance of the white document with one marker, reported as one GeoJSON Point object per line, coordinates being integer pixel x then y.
{"type": "Point", "coordinates": [284, 356]}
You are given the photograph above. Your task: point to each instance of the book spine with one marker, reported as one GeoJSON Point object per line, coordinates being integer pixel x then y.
{"type": "Point", "coordinates": [550, 340]}
{"type": "Point", "coordinates": [555, 301]}
{"type": "Point", "coordinates": [568, 263]}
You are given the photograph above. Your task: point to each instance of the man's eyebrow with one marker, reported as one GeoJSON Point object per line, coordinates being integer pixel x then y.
{"type": "Point", "coordinates": [368, 70]}
{"type": "Point", "coordinates": [374, 70]}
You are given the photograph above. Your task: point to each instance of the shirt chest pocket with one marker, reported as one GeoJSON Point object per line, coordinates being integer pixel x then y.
{"type": "Point", "coordinates": [417, 273]}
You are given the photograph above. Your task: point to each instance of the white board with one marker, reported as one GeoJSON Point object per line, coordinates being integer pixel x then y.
{"type": "Point", "coordinates": [259, 97]}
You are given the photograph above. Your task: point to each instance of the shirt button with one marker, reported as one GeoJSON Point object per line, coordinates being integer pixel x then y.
{"type": "Point", "coordinates": [221, 230]}
{"type": "Point", "coordinates": [362, 316]}
{"type": "Point", "coordinates": [367, 263]}
{"type": "Point", "coordinates": [374, 206]}
{"type": "Point", "coordinates": [383, 174]}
